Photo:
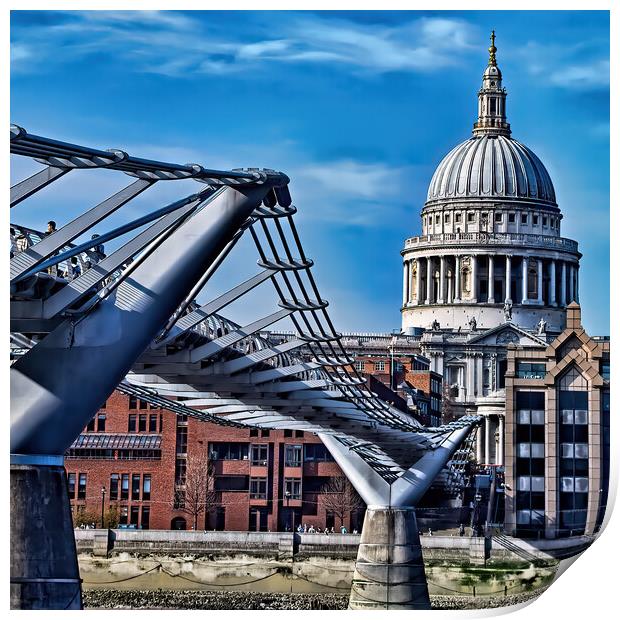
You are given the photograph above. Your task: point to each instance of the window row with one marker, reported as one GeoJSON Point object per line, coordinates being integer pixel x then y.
{"type": "Point", "coordinates": [574, 450]}
{"type": "Point", "coordinates": [548, 221]}
{"type": "Point", "coordinates": [574, 484]}
{"type": "Point", "coordinates": [527, 416]}
{"type": "Point", "coordinates": [137, 403]}
{"type": "Point", "coordinates": [140, 487]}
{"type": "Point", "coordinates": [97, 424]}
{"type": "Point", "coordinates": [528, 370]}
{"type": "Point", "coordinates": [574, 416]}
{"type": "Point", "coordinates": [534, 484]}
{"type": "Point", "coordinates": [532, 450]}
{"type": "Point", "coordinates": [134, 517]}
{"type": "Point", "coordinates": [81, 479]}
{"type": "Point", "coordinates": [142, 422]}
{"type": "Point", "coordinates": [531, 517]}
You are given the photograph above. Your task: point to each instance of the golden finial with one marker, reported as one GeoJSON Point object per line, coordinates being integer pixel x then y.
{"type": "Point", "coordinates": [492, 50]}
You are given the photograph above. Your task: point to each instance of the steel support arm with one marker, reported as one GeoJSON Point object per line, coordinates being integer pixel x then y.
{"type": "Point", "coordinates": [58, 386]}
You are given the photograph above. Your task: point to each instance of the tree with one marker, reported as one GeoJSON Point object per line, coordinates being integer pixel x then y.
{"type": "Point", "coordinates": [195, 494]}
{"type": "Point", "coordinates": [340, 497]}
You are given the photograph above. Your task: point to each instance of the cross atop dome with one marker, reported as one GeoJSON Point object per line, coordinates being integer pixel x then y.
{"type": "Point", "coordinates": [492, 50]}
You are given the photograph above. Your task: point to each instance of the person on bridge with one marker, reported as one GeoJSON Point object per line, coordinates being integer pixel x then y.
{"type": "Point", "coordinates": [343, 529]}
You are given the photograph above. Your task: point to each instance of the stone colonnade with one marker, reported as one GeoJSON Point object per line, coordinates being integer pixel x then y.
{"type": "Point", "coordinates": [490, 440]}
{"type": "Point", "coordinates": [533, 280]}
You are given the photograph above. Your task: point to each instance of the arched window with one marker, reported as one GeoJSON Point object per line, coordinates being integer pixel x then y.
{"type": "Point", "coordinates": [178, 523]}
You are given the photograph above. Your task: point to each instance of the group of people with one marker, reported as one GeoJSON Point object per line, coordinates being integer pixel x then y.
{"type": "Point", "coordinates": [310, 529]}
{"type": "Point", "coordinates": [20, 243]}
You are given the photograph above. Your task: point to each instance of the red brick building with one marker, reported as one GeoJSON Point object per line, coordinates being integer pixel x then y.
{"type": "Point", "coordinates": [135, 458]}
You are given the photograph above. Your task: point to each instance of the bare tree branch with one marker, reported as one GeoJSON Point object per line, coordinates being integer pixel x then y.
{"type": "Point", "coordinates": [340, 497]}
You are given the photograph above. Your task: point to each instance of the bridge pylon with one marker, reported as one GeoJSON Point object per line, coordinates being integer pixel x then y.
{"type": "Point", "coordinates": [389, 570]}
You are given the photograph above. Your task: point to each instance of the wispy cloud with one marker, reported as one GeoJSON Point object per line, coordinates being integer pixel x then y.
{"type": "Point", "coordinates": [183, 44]}
{"type": "Point", "coordinates": [580, 66]}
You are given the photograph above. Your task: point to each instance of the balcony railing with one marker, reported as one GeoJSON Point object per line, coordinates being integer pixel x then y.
{"type": "Point", "coordinates": [495, 238]}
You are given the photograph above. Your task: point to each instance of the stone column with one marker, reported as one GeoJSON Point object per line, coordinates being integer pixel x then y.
{"type": "Point", "coordinates": [429, 279]}
{"type": "Point", "coordinates": [389, 571]}
{"type": "Point", "coordinates": [479, 373]}
{"type": "Point", "coordinates": [508, 276]}
{"type": "Point", "coordinates": [524, 280]}
{"type": "Point", "coordinates": [563, 285]}
{"type": "Point", "coordinates": [457, 278]}
{"type": "Point", "coordinates": [406, 271]}
{"type": "Point", "coordinates": [450, 278]}
{"type": "Point", "coordinates": [474, 278]}
{"type": "Point", "coordinates": [418, 282]}
{"type": "Point", "coordinates": [442, 280]}
{"type": "Point", "coordinates": [570, 283]}
{"type": "Point", "coordinates": [487, 439]}
{"type": "Point", "coordinates": [479, 439]}
{"type": "Point", "coordinates": [491, 287]}
{"type": "Point", "coordinates": [552, 293]}
{"type": "Point", "coordinates": [500, 458]}
{"type": "Point", "coordinates": [577, 282]}
{"type": "Point", "coordinates": [540, 281]}
{"type": "Point", "coordinates": [44, 567]}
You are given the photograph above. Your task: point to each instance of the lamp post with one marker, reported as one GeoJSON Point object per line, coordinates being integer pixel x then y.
{"type": "Point", "coordinates": [287, 495]}
{"type": "Point", "coordinates": [102, 504]}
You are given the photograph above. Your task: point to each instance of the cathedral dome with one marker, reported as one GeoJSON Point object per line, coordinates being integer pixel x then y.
{"type": "Point", "coordinates": [491, 166]}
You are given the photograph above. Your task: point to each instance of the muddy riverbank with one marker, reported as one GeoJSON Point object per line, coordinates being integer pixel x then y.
{"type": "Point", "coordinates": [192, 599]}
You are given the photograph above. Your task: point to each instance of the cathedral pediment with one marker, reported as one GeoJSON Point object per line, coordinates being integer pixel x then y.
{"type": "Point", "coordinates": [507, 333]}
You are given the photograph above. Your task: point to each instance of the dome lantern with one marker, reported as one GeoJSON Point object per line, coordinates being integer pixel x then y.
{"type": "Point", "coordinates": [492, 100]}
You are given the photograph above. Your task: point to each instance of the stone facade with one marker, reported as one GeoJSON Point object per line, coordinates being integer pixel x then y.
{"type": "Point", "coordinates": [557, 434]}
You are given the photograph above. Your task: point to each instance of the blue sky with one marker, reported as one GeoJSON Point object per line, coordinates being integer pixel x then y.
{"type": "Point", "coordinates": [357, 108]}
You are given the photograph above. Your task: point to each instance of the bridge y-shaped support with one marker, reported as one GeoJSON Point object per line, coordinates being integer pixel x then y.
{"type": "Point", "coordinates": [58, 386]}
{"type": "Point", "coordinates": [389, 570]}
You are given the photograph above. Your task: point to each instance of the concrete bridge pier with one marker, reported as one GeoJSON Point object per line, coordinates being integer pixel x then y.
{"type": "Point", "coordinates": [44, 567]}
{"type": "Point", "coordinates": [389, 571]}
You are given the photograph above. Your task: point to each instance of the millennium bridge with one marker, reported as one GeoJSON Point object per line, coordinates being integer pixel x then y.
{"type": "Point", "coordinates": [141, 320]}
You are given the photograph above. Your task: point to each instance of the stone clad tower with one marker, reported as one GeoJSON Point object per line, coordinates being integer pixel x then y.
{"type": "Point", "coordinates": [491, 248]}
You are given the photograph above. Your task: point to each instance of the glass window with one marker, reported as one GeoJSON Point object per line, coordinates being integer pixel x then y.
{"type": "Point", "coordinates": [544, 220]}
{"type": "Point", "coordinates": [581, 485]}
{"type": "Point", "coordinates": [535, 220]}
{"type": "Point", "coordinates": [254, 432]}
{"type": "Point", "coordinates": [528, 370]}
{"type": "Point", "coordinates": [181, 446]}
{"type": "Point", "coordinates": [90, 427]}
{"type": "Point", "coordinates": [538, 417]}
{"type": "Point", "coordinates": [523, 416]}
{"type": "Point", "coordinates": [288, 432]}
{"type": "Point", "coordinates": [143, 404]}
{"type": "Point", "coordinates": [114, 486]}
{"type": "Point", "coordinates": [457, 218]}
{"type": "Point", "coordinates": [259, 454]}
{"type": "Point", "coordinates": [446, 218]}
{"type": "Point", "coordinates": [146, 487]}
{"type": "Point", "coordinates": [523, 483]}
{"type": "Point", "coordinates": [605, 369]}
{"type": "Point", "coordinates": [142, 422]}
{"type": "Point", "coordinates": [567, 484]}
{"type": "Point", "coordinates": [258, 488]}
{"type": "Point", "coordinates": [581, 416]}
{"type": "Point", "coordinates": [81, 486]}
{"type": "Point", "coordinates": [471, 217]}
{"type": "Point", "coordinates": [567, 450]}
{"type": "Point", "coordinates": [299, 433]}
{"type": "Point", "coordinates": [135, 515]}
{"type": "Point", "coordinates": [146, 517]}
{"type": "Point", "coordinates": [359, 365]}
{"type": "Point", "coordinates": [133, 402]}
{"type": "Point", "coordinates": [511, 218]}
{"type": "Point", "coordinates": [71, 485]}
{"type": "Point", "coordinates": [153, 423]}
{"type": "Point", "coordinates": [135, 486]}
{"type": "Point", "coordinates": [538, 484]}
{"type": "Point", "coordinates": [292, 488]}
{"type": "Point", "coordinates": [498, 217]}
{"type": "Point", "coordinates": [524, 218]}
{"type": "Point", "coordinates": [124, 515]}
{"type": "Point", "coordinates": [264, 432]}
{"type": "Point", "coordinates": [125, 486]}
{"type": "Point", "coordinates": [380, 366]}
{"type": "Point", "coordinates": [581, 450]}
{"type": "Point", "coordinates": [523, 517]}
{"type": "Point", "coordinates": [132, 424]}
{"type": "Point", "coordinates": [292, 455]}
{"type": "Point", "coordinates": [437, 219]}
